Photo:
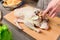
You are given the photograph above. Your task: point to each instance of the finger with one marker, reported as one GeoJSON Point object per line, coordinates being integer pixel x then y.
{"type": "Point", "coordinates": [54, 9]}
{"type": "Point", "coordinates": [46, 11]}
{"type": "Point", "coordinates": [53, 15]}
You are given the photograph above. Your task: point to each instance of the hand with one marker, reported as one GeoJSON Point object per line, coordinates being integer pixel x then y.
{"type": "Point", "coordinates": [53, 7]}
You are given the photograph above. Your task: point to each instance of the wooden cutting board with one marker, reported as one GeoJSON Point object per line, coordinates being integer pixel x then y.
{"type": "Point", "coordinates": [51, 34]}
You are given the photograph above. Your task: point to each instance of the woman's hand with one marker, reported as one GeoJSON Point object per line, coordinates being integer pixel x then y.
{"type": "Point", "coordinates": [53, 7]}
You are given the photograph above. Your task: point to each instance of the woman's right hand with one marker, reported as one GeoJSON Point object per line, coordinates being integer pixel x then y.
{"type": "Point", "coordinates": [52, 8]}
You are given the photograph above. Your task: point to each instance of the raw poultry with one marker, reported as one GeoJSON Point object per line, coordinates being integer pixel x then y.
{"type": "Point", "coordinates": [31, 17]}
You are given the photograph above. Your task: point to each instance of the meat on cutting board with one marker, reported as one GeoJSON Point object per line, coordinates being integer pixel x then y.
{"type": "Point", "coordinates": [31, 17]}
